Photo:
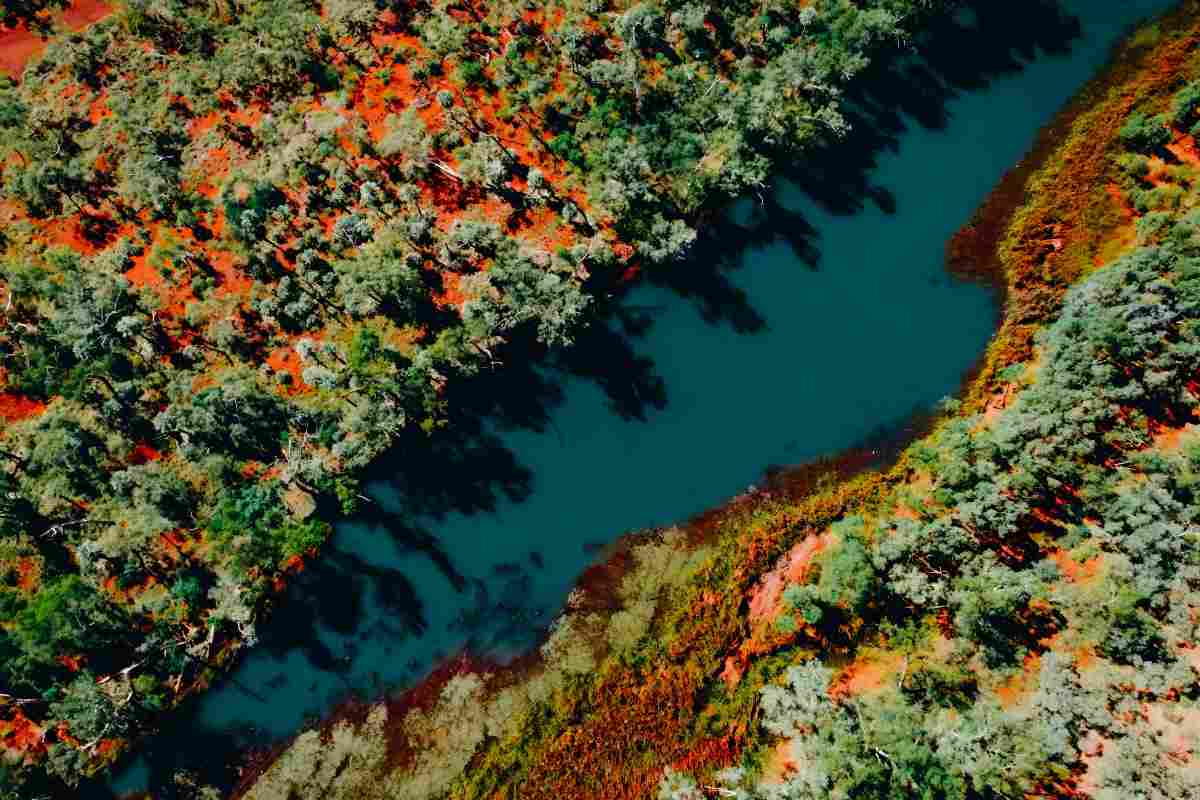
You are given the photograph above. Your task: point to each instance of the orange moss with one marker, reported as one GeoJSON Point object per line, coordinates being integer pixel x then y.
{"type": "Point", "coordinates": [604, 756]}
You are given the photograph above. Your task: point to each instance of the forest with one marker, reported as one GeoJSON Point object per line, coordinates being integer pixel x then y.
{"type": "Point", "coordinates": [246, 246]}
{"type": "Point", "coordinates": [1008, 611]}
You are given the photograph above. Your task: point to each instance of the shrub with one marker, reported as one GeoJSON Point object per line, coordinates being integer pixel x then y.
{"type": "Point", "coordinates": [1145, 134]}
{"type": "Point", "coordinates": [1185, 105]}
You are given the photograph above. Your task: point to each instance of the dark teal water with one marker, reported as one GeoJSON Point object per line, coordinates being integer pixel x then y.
{"type": "Point", "coordinates": [874, 332]}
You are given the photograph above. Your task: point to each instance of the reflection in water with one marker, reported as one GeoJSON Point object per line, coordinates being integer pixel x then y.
{"type": "Point", "coordinates": [844, 318]}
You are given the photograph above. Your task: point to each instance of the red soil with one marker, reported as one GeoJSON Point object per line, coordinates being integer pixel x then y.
{"type": "Point", "coordinates": [285, 359]}
{"type": "Point", "coordinates": [1021, 686]}
{"type": "Point", "coordinates": [143, 453]}
{"type": "Point", "coordinates": [21, 738]}
{"type": "Point", "coordinates": [1085, 659]}
{"type": "Point", "coordinates": [450, 295]}
{"type": "Point", "coordinates": [70, 662]}
{"type": "Point", "coordinates": [779, 764]}
{"type": "Point", "coordinates": [1075, 571]}
{"type": "Point", "coordinates": [107, 747]}
{"type": "Point", "coordinates": [767, 596]}
{"type": "Point", "coordinates": [998, 403]}
{"type": "Point", "coordinates": [19, 45]}
{"type": "Point", "coordinates": [28, 573]}
{"type": "Point", "coordinates": [16, 48]}
{"type": "Point", "coordinates": [868, 675]}
{"type": "Point", "coordinates": [1185, 150]}
{"type": "Point", "coordinates": [766, 605]}
{"type": "Point", "coordinates": [16, 407]}
{"type": "Point", "coordinates": [1170, 439]}
{"type": "Point", "coordinates": [84, 12]}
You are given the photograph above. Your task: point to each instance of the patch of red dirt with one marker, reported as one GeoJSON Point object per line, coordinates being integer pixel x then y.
{"type": "Point", "coordinates": [767, 595]}
{"type": "Point", "coordinates": [21, 737]}
{"type": "Point", "coordinates": [1170, 439]}
{"type": "Point", "coordinates": [732, 673]}
{"type": "Point", "coordinates": [1076, 571]}
{"type": "Point", "coordinates": [1019, 687]}
{"type": "Point", "coordinates": [999, 401]}
{"type": "Point", "coordinates": [177, 538]}
{"type": "Point", "coordinates": [85, 12]}
{"type": "Point", "coordinates": [1185, 150]}
{"type": "Point", "coordinates": [1085, 659]}
{"type": "Point", "coordinates": [18, 45]}
{"type": "Point", "coordinates": [867, 675]}
{"type": "Point", "coordinates": [70, 662]}
{"type": "Point", "coordinates": [143, 453]}
{"type": "Point", "coordinates": [28, 574]}
{"type": "Point", "coordinates": [450, 295]}
{"type": "Point", "coordinates": [779, 764]}
{"type": "Point", "coordinates": [16, 407]}
{"type": "Point", "coordinates": [107, 747]}
{"type": "Point", "coordinates": [286, 359]}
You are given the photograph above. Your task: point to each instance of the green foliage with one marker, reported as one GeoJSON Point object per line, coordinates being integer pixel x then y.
{"type": "Point", "coordinates": [936, 683]}
{"type": "Point", "coordinates": [845, 583]}
{"type": "Point", "coordinates": [471, 73]}
{"type": "Point", "coordinates": [65, 616]}
{"type": "Point", "coordinates": [1185, 105]}
{"type": "Point", "coordinates": [1145, 134]}
{"type": "Point", "coordinates": [251, 524]}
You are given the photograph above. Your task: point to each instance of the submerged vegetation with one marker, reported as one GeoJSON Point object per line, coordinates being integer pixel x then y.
{"type": "Point", "coordinates": [1009, 611]}
{"type": "Point", "coordinates": [248, 246]}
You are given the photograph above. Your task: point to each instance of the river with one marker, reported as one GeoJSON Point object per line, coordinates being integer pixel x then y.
{"type": "Point", "coordinates": [772, 360]}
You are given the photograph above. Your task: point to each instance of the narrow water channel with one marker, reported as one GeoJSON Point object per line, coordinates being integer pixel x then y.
{"type": "Point", "coordinates": [873, 332]}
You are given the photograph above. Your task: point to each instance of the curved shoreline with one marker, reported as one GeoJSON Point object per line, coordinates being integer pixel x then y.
{"type": "Point", "coordinates": [977, 250]}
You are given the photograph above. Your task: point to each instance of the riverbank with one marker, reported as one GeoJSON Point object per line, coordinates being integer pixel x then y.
{"type": "Point", "coordinates": [683, 690]}
{"type": "Point", "coordinates": [1047, 204]}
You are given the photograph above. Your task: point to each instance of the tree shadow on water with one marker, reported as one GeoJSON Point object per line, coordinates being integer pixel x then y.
{"type": "Point", "coordinates": [955, 54]}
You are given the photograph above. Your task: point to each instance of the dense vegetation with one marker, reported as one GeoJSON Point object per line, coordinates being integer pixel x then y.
{"type": "Point", "coordinates": [247, 245]}
{"type": "Point", "coordinates": [1010, 611]}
